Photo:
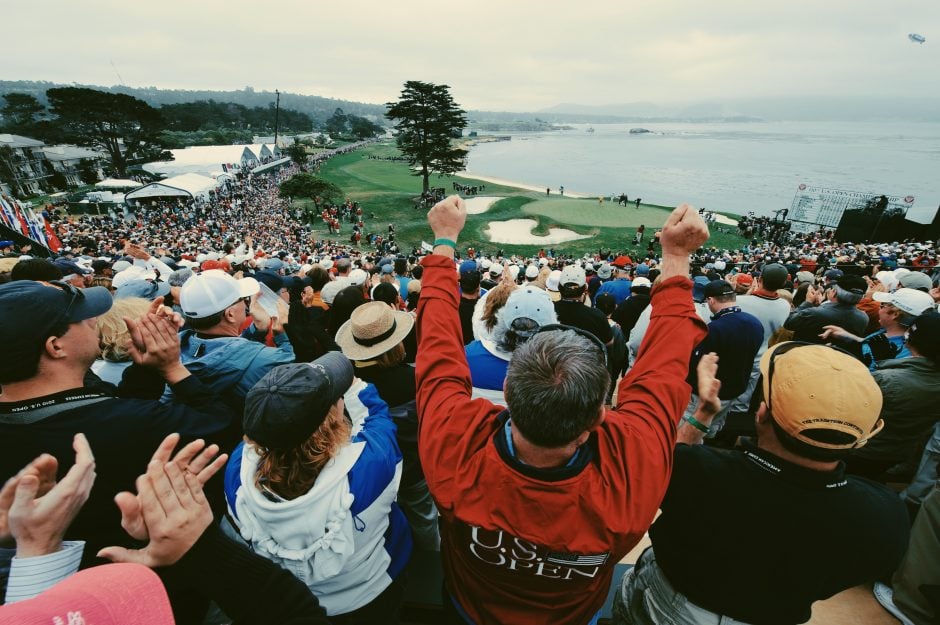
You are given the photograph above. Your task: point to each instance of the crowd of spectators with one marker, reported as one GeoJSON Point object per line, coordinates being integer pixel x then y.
{"type": "Point", "coordinates": [337, 407]}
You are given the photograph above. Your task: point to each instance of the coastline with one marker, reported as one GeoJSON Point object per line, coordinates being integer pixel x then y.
{"type": "Point", "coordinates": [521, 185]}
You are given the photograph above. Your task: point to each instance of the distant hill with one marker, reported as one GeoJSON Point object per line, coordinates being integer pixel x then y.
{"type": "Point", "coordinates": [318, 108]}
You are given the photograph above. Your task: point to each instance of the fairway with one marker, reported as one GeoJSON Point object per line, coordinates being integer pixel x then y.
{"type": "Point", "coordinates": [585, 212]}
{"type": "Point", "coordinates": [388, 190]}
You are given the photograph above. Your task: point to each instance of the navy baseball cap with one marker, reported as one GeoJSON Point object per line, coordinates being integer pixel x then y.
{"type": "Point", "coordinates": [31, 310]}
{"type": "Point", "coordinates": [292, 401]}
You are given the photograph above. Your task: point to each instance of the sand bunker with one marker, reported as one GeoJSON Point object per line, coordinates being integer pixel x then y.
{"type": "Point", "coordinates": [725, 220]}
{"type": "Point", "coordinates": [477, 205]}
{"type": "Point", "coordinates": [520, 231]}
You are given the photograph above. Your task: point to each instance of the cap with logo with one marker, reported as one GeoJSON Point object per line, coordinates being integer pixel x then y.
{"type": "Point", "coordinates": [212, 292]}
{"type": "Point", "coordinates": [911, 301]}
{"type": "Point", "coordinates": [814, 391]}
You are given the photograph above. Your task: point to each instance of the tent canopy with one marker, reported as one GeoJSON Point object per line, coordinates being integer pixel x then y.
{"type": "Point", "coordinates": [117, 183]}
{"type": "Point", "coordinates": [204, 159]}
{"type": "Point", "coordinates": [186, 185]}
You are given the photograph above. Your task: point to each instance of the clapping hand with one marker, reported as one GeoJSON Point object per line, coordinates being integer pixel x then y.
{"type": "Point", "coordinates": [154, 341]}
{"type": "Point", "coordinates": [170, 509]}
{"type": "Point", "coordinates": [36, 510]}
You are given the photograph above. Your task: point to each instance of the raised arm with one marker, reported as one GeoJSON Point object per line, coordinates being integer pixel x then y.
{"type": "Point", "coordinates": [655, 393]}
{"type": "Point", "coordinates": [442, 374]}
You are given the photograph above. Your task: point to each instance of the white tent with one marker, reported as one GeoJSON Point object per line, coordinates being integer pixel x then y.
{"type": "Point", "coordinates": [117, 183]}
{"type": "Point", "coordinates": [261, 150]}
{"type": "Point", "coordinates": [204, 159]}
{"type": "Point", "coordinates": [186, 185]}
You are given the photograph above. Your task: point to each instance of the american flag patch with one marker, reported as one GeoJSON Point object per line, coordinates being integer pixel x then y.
{"type": "Point", "coordinates": [575, 559]}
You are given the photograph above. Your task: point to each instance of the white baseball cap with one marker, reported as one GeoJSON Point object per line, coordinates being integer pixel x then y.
{"type": "Point", "coordinates": [911, 301]}
{"type": "Point", "coordinates": [531, 272]}
{"type": "Point", "coordinates": [356, 277]}
{"type": "Point", "coordinates": [130, 274]}
{"type": "Point", "coordinates": [331, 289]}
{"type": "Point", "coordinates": [212, 292]}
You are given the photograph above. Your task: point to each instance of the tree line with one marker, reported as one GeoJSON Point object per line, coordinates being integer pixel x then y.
{"type": "Point", "coordinates": [130, 131]}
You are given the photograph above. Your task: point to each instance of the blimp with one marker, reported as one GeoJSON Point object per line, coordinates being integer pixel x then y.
{"type": "Point", "coordinates": [916, 38]}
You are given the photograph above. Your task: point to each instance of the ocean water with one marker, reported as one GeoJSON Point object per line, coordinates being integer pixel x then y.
{"type": "Point", "coordinates": [734, 167]}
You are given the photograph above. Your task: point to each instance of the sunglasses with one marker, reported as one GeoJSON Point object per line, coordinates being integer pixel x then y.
{"type": "Point", "coordinates": [75, 295]}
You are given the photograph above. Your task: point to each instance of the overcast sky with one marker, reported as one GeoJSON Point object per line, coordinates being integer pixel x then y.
{"type": "Point", "coordinates": [517, 55]}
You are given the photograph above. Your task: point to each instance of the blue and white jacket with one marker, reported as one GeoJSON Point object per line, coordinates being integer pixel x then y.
{"type": "Point", "coordinates": [346, 538]}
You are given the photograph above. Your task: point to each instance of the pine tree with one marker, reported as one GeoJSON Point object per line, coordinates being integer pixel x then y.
{"type": "Point", "coordinates": [428, 120]}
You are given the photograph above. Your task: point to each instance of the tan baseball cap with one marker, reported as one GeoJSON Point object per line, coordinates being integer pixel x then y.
{"type": "Point", "coordinates": [815, 390]}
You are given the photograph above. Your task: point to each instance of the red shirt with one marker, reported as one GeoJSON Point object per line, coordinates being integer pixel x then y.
{"type": "Point", "coordinates": [522, 548]}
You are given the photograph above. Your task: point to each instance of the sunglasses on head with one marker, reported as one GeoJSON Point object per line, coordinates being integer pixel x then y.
{"type": "Point", "coordinates": [556, 327]}
{"type": "Point", "coordinates": [75, 295]}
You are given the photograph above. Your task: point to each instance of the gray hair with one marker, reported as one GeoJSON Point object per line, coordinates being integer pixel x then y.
{"type": "Point", "coordinates": [846, 297]}
{"type": "Point", "coordinates": [555, 386]}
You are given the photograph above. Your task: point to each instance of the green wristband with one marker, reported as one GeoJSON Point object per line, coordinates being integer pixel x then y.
{"type": "Point", "coordinates": [443, 241]}
{"type": "Point", "coordinates": [698, 425]}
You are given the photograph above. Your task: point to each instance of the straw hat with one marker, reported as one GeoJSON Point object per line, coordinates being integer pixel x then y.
{"type": "Point", "coordinates": [373, 329]}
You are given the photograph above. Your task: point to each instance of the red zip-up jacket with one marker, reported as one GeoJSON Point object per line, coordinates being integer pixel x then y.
{"type": "Point", "coordinates": [527, 545]}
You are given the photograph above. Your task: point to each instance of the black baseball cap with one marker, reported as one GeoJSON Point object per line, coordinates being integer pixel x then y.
{"type": "Point", "coordinates": [924, 335]}
{"type": "Point", "coordinates": [853, 284]}
{"type": "Point", "coordinates": [31, 310]}
{"type": "Point", "coordinates": [718, 288]}
{"type": "Point", "coordinates": [292, 401]}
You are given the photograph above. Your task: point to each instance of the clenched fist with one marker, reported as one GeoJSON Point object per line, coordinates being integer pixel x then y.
{"type": "Point", "coordinates": [685, 231]}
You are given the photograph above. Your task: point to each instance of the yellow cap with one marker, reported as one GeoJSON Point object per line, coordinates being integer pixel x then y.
{"type": "Point", "coordinates": [815, 388]}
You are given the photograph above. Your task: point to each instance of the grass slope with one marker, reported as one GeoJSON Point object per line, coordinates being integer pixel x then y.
{"type": "Point", "coordinates": [387, 189]}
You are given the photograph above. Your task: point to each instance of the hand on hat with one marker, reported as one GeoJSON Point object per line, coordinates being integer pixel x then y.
{"type": "Point", "coordinates": [170, 508]}
{"type": "Point", "coordinates": [283, 312]}
{"type": "Point", "coordinates": [447, 218]}
{"type": "Point", "coordinates": [684, 231]}
{"type": "Point", "coordinates": [259, 315]}
{"type": "Point", "coordinates": [36, 510]}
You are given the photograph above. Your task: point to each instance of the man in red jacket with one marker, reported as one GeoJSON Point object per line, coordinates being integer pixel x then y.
{"type": "Point", "coordinates": [539, 502]}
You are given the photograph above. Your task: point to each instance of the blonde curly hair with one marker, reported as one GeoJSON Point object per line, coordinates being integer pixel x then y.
{"type": "Point", "coordinates": [113, 335]}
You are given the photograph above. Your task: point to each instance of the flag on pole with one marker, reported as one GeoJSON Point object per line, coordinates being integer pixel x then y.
{"type": "Point", "coordinates": [7, 214]}
{"type": "Point", "coordinates": [54, 243]}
